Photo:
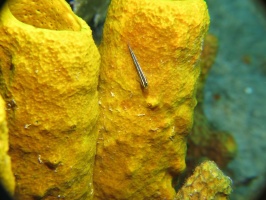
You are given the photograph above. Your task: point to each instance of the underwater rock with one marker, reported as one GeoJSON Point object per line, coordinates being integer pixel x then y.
{"type": "Point", "coordinates": [49, 81]}
{"type": "Point", "coordinates": [142, 138]}
{"type": "Point", "coordinates": [6, 176]}
{"type": "Point", "coordinates": [207, 182]}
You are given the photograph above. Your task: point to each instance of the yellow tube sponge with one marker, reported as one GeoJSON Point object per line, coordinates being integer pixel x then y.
{"type": "Point", "coordinates": [6, 176]}
{"type": "Point", "coordinates": [45, 14]}
{"type": "Point", "coordinates": [207, 182]}
{"type": "Point", "coordinates": [49, 80]}
{"type": "Point", "coordinates": [142, 135]}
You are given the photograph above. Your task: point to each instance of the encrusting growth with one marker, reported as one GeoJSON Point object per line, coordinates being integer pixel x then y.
{"type": "Point", "coordinates": [207, 182]}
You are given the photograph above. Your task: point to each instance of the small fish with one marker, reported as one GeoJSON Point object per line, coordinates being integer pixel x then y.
{"type": "Point", "coordinates": [143, 79]}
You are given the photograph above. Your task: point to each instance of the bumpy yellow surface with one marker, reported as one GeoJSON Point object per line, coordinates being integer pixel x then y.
{"type": "Point", "coordinates": [142, 140]}
{"type": "Point", "coordinates": [48, 14]}
{"type": "Point", "coordinates": [207, 182]}
{"type": "Point", "coordinates": [49, 80]}
{"type": "Point", "coordinates": [6, 176]}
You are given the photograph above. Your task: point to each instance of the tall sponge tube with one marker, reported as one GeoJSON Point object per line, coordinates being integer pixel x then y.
{"type": "Point", "coordinates": [143, 129]}
{"type": "Point", "coordinates": [49, 77]}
